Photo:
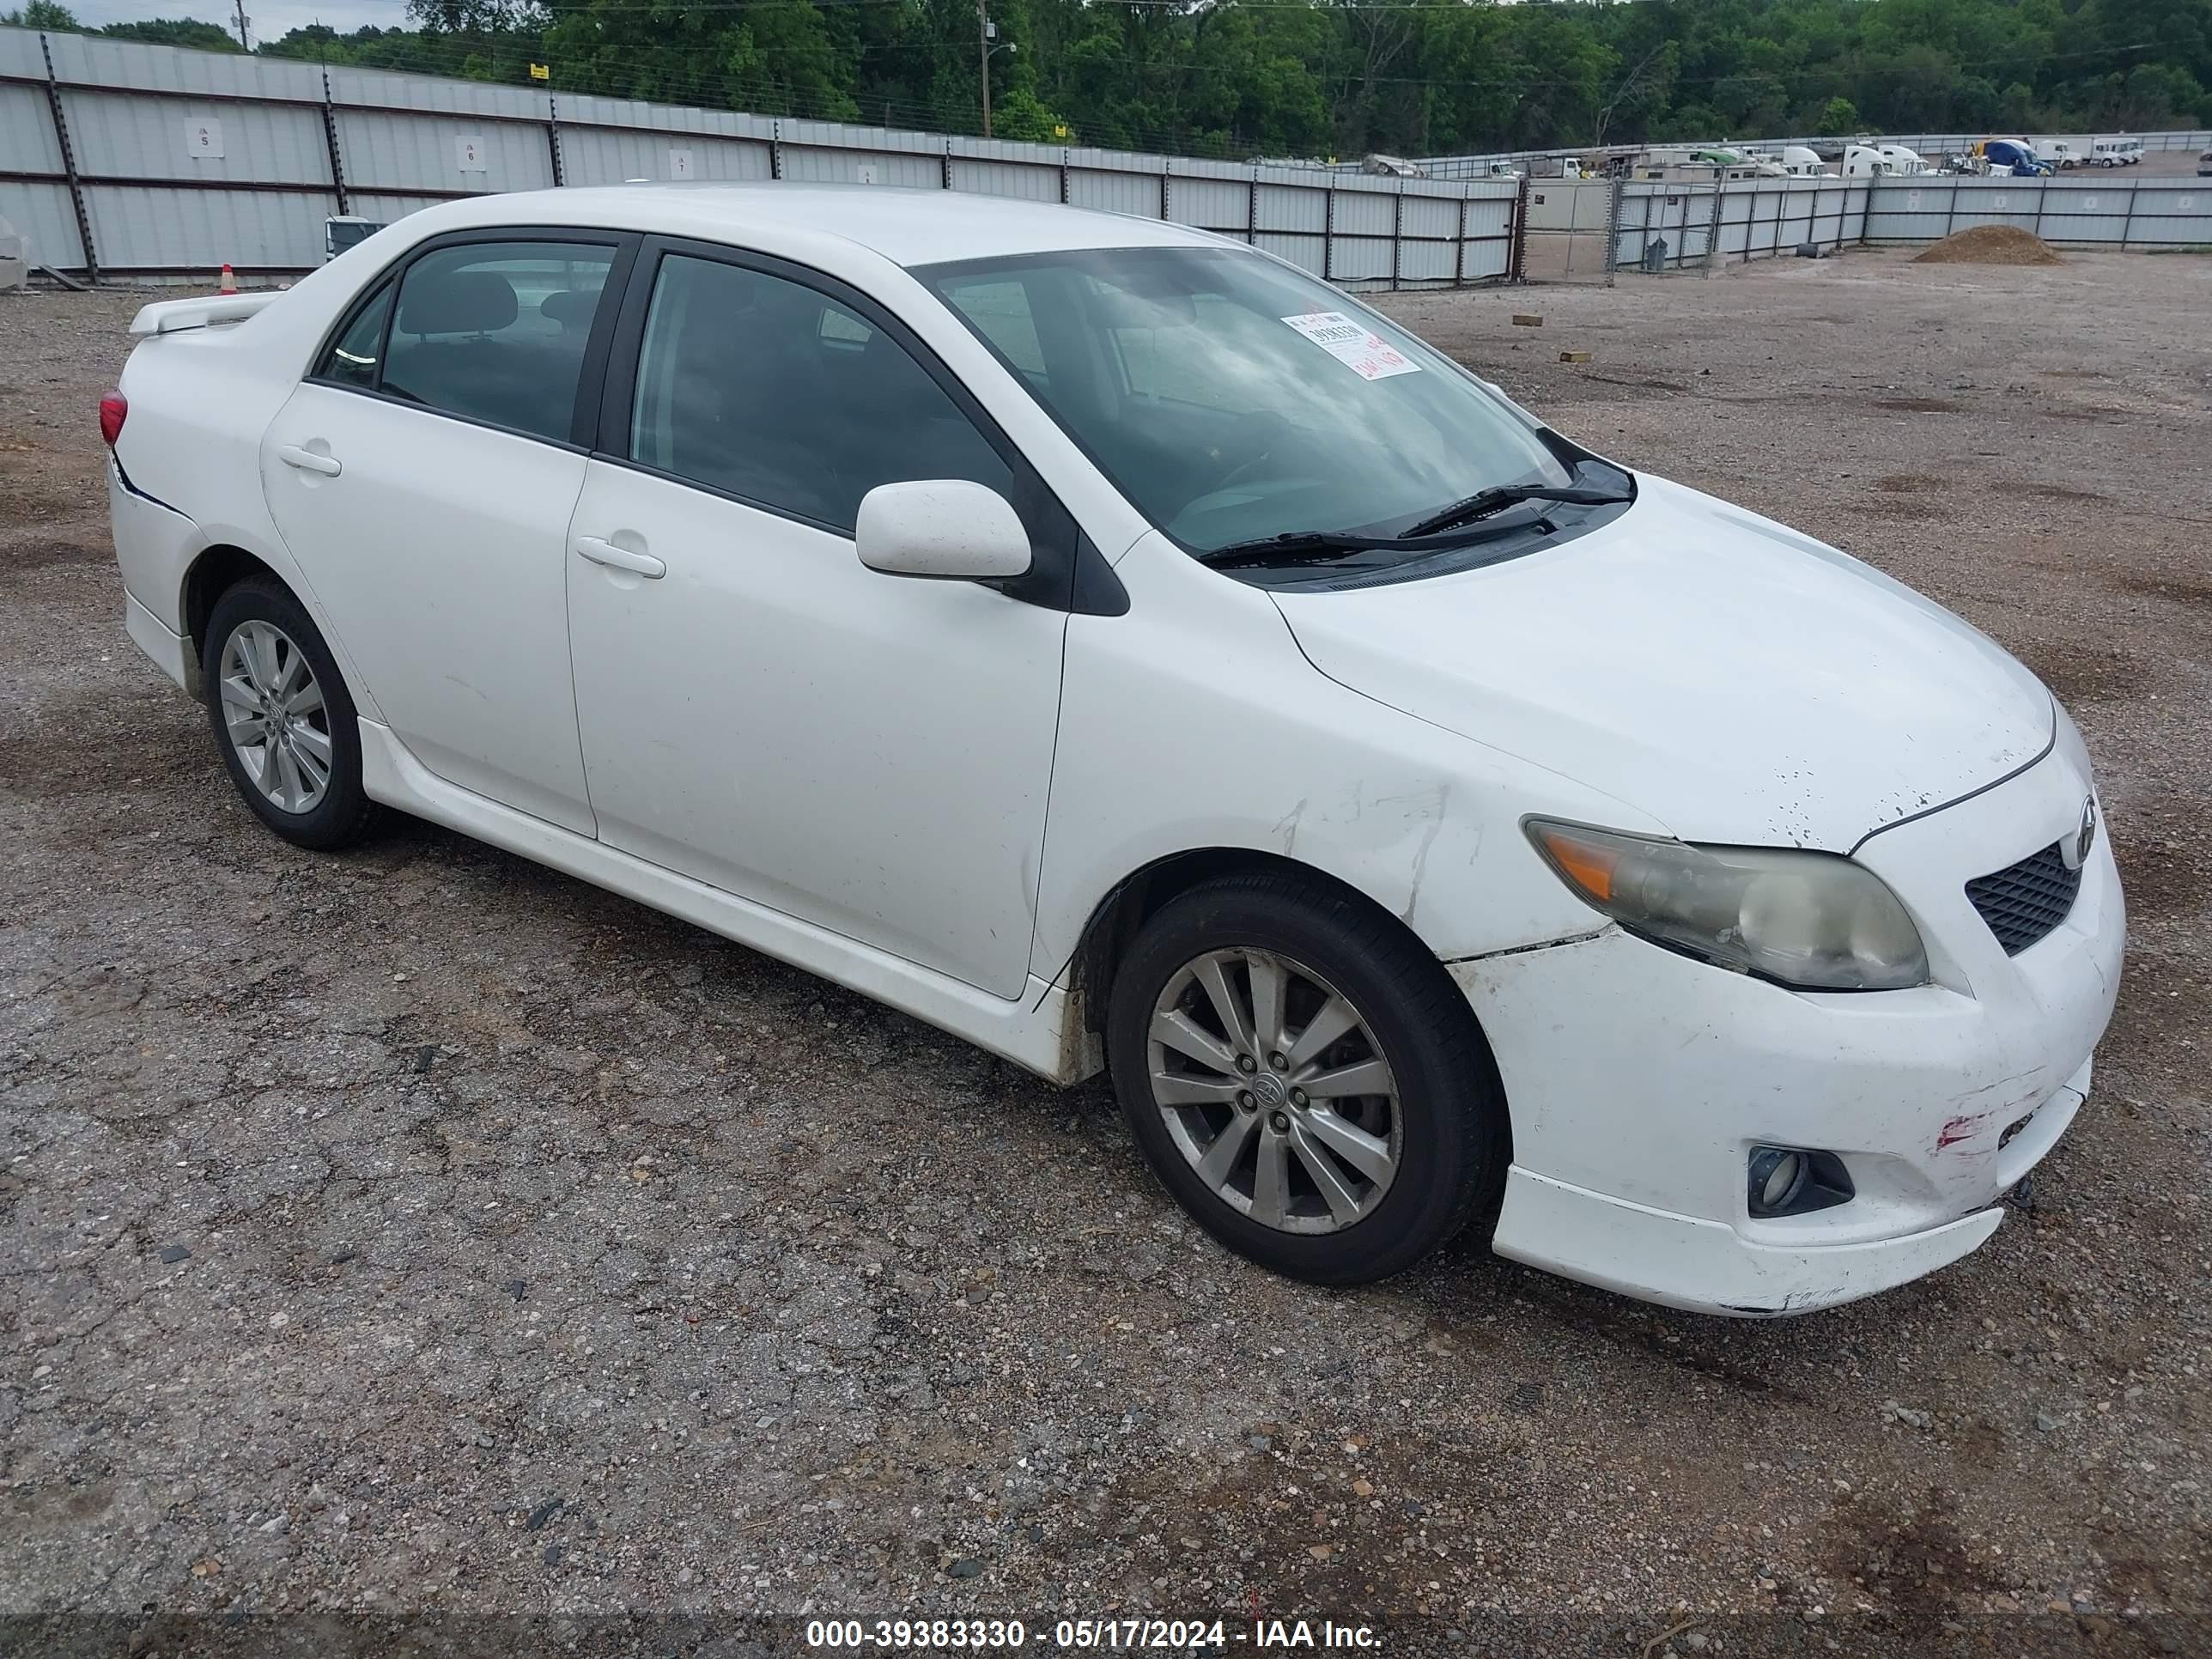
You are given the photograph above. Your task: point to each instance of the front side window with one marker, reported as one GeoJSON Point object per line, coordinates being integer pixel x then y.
{"type": "Point", "coordinates": [496, 330]}
{"type": "Point", "coordinates": [771, 391]}
{"type": "Point", "coordinates": [1232, 399]}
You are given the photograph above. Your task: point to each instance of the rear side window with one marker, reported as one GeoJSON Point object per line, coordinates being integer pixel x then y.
{"type": "Point", "coordinates": [352, 355]}
{"type": "Point", "coordinates": [771, 391]}
{"type": "Point", "coordinates": [496, 332]}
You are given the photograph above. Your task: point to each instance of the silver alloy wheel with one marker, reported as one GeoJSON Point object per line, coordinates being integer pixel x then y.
{"type": "Point", "coordinates": [274, 714]}
{"type": "Point", "coordinates": [1274, 1088]}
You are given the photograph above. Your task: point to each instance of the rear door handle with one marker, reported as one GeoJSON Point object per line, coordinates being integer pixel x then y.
{"type": "Point", "coordinates": [620, 558]}
{"type": "Point", "coordinates": [308, 461]}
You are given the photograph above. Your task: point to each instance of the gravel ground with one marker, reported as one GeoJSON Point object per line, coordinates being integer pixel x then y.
{"type": "Point", "coordinates": [418, 1235]}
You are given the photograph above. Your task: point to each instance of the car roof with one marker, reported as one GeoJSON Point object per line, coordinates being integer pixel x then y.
{"type": "Point", "coordinates": [907, 227]}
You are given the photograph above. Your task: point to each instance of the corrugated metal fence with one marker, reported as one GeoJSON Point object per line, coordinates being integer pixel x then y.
{"type": "Point", "coordinates": [147, 163]}
{"type": "Point", "coordinates": [1670, 227]}
{"type": "Point", "coordinates": [2094, 210]}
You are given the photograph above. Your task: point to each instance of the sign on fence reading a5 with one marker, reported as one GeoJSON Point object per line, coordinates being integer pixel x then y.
{"type": "Point", "coordinates": [1364, 353]}
{"type": "Point", "coordinates": [204, 140]}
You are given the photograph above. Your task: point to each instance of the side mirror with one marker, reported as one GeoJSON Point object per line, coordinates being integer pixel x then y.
{"type": "Point", "coordinates": [947, 528]}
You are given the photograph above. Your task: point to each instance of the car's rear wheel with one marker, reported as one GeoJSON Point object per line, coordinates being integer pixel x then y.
{"type": "Point", "coordinates": [282, 719]}
{"type": "Point", "coordinates": [1305, 1078]}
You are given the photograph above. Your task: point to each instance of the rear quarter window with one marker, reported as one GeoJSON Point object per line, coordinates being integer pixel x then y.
{"type": "Point", "coordinates": [353, 358]}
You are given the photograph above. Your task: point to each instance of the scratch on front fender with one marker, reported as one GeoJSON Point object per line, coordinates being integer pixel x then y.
{"type": "Point", "coordinates": [1421, 855]}
{"type": "Point", "coordinates": [1522, 949]}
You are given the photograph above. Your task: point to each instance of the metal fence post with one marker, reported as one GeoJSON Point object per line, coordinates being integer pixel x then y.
{"type": "Point", "coordinates": [1063, 178]}
{"type": "Point", "coordinates": [331, 139]}
{"type": "Point", "coordinates": [1612, 226]}
{"type": "Point", "coordinates": [68, 163]}
{"type": "Point", "coordinates": [1397, 232]}
{"type": "Point", "coordinates": [1252, 209]}
{"type": "Point", "coordinates": [1519, 245]}
{"type": "Point", "coordinates": [2127, 220]}
{"type": "Point", "coordinates": [1164, 170]}
{"type": "Point", "coordinates": [553, 139]}
{"type": "Point", "coordinates": [945, 165]}
{"type": "Point", "coordinates": [776, 150]}
{"type": "Point", "coordinates": [1713, 228]}
{"type": "Point", "coordinates": [1328, 238]}
{"type": "Point", "coordinates": [2042, 191]}
{"type": "Point", "coordinates": [1459, 244]}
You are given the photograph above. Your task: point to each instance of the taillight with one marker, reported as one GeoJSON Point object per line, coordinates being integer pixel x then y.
{"type": "Point", "coordinates": [113, 409]}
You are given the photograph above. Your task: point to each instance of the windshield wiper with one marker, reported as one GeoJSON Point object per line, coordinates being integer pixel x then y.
{"type": "Point", "coordinates": [1314, 546]}
{"type": "Point", "coordinates": [1497, 497]}
{"type": "Point", "coordinates": [1294, 547]}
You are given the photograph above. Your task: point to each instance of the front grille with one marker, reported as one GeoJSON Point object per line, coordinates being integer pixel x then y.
{"type": "Point", "coordinates": [2024, 901]}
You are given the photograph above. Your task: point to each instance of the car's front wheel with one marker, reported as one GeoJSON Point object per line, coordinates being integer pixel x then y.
{"type": "Point", "coordinates": [282, 719]}
{"type": "Point", "coordinates": [1305, 1078]}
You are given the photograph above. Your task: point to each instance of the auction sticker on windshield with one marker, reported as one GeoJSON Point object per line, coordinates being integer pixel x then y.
{"type": "Point", "coordinates": [1364, 353]}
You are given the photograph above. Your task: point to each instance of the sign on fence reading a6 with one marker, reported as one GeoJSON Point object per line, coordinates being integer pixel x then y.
{"type": "Point", "coordinates": [469, 152]}
{"type": "Point", "coordinates": [1365, 354]}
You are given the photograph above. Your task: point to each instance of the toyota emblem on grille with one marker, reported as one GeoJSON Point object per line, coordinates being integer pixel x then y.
{"type": "Point", "coordinates": [2076, 851]}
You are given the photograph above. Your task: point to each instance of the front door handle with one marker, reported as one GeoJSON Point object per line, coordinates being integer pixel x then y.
{"type": "Point", "coordinates": [308, 461]}
{"type": "Point", "coordinates": [620, 558]}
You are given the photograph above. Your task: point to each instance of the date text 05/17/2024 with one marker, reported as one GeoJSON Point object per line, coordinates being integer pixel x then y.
{"type": "Point", "coordinates": [1261, 1637]}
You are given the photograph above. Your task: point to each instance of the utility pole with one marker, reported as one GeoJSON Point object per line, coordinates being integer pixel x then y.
{"type": "Point", "coordinates": [983, 60]}
{"type": "Point", "coordinates": [243, 44]}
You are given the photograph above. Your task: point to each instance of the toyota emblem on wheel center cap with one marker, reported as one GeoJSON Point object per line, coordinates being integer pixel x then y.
{"type": "Point", "coordinates": [2076, 851]}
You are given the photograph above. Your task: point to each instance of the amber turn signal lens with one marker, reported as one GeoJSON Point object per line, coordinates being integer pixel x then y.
{"type": "Point", "coordinates": [1589, 865]}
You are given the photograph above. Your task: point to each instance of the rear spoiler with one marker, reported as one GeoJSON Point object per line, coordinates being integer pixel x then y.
{"type": "Point", "coordinates": [169, 316]}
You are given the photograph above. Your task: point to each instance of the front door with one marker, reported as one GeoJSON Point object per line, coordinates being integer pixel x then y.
{"type": "Point", "coordinates": [423, 477]}
{"type": "Point", "coordinates": [759, 710]}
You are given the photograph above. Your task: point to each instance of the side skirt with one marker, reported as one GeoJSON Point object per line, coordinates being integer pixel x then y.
{"type": "Point", "coordinates": [1034, 1032]}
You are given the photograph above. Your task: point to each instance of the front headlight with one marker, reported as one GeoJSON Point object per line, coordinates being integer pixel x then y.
{"type": "Point", "coordinates": [1813, 921]}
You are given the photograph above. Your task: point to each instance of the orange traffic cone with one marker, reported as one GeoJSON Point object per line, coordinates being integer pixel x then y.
{"type": "Point", "coordinates": [230, 284]}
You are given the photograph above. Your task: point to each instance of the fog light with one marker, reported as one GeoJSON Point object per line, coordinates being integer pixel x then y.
{"type": "Point", "coordinates": [1776, 1176]}
{"type": "Point", "coordinates": [1784, 1181]}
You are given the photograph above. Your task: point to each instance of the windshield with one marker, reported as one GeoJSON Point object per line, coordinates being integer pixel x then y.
{"type": "Point", "coordinates": [1232, 399]}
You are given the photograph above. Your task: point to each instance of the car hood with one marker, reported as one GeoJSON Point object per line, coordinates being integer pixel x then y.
{"type": "Point", "coordinates": [1739, 681]}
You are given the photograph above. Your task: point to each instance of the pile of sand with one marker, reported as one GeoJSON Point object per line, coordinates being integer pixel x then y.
{"type": "Point", "coordinates": [1989, 245]}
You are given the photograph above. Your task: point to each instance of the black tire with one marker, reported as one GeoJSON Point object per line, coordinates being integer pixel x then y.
{"type": "Point", "coordinates": [1455, 1136]}
{"type": "Point", "coordinates": [344, 813]}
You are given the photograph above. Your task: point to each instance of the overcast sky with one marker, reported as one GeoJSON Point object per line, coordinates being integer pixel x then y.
{"type": "Point", "coordinates": [271, 18]}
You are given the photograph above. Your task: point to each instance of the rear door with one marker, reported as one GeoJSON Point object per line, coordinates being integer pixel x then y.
{"type": "Point", "coordinates": [423, 477]}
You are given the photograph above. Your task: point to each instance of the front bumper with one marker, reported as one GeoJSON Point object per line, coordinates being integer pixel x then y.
{"type": "Point", "coordinates": [1639, 1080]}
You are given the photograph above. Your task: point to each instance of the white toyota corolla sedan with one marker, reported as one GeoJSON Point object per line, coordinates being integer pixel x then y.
{"type": "Point", "coordinates": [1114, 646]}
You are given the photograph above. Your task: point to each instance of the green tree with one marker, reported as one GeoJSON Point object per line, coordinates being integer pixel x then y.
{"type": "Point", "coordinates": [177, 31]}
{"type": "Point", "coordinates": [42, 15]}
{"type": "Point", "coordinates": [1274, 77]}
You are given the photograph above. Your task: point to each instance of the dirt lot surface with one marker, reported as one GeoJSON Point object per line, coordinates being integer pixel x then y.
{"type": "Point", "coordinates": [418, 1232]}
{"type": "Point", "coordinates": [2156, 164]}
